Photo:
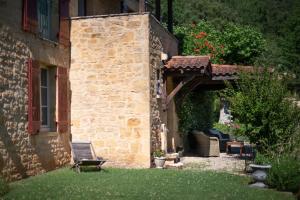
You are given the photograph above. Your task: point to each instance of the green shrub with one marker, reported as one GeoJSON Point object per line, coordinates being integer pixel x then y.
{"type": "Point", "coordinates": [158, 153]}
{"type": "Point", "coordinates": [222, 127]}
{"type": "Point", "coordinates": [262, 102]}
{"type": "Point", "coordinates": [285, 173]}
{"type": "Point", "coordinates": [234, 44]}
{"type": "Point", "coordinates": [261, 159]}
{"type": "Point", "coordinates": [3, 187]}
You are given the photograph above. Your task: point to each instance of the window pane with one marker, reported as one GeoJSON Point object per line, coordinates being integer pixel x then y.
{"type": "Point", "coordinates": [44, 11]}
{"type": "Point", "coordinates": [44, 78]}
{"type": "Point", "coordinates": [44, 115]}
{"type": "Point", "coordinates": [81, 8]}
{"type": "Point", "coordinates": [44, 96]}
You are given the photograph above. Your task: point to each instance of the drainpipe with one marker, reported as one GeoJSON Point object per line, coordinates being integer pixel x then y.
{"type": "Point", "coordinates": [157, 9]}
{"type": "Point", "coordinates": [170, 15]}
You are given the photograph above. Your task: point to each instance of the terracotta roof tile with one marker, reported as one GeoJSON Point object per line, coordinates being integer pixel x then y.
{"type": "Point", "coordinates": [188, 63]}
{"type": "Point", "coordinates": [228, 71]}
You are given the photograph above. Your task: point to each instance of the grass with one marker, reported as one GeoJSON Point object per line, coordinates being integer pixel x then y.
{"type": "Point", "coordinates": [3, 187]}
{"type": "Point", "coordinates": [138, 184]}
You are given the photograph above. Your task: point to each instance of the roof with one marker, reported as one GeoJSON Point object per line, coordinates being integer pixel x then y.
{"type": "Point", "coordinates": [227, 72]}
{"type": "Point", "coordinates": [202, 65]}
{"type": "Point", "coordinates": [188, 64]}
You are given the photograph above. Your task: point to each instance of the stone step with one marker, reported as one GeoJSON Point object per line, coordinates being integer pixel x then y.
{"type": "Point", "coordinates": [178, 165]}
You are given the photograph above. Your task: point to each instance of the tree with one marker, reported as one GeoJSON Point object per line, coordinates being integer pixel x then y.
{"type": "Point", "coordinates": [261, 101]}
{"type": "Point", "coordinates": [278, 20]}
{"type": "Point", "coordinates": [234, 45]}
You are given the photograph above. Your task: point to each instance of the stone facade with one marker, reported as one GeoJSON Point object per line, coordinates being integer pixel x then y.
{"type": "Point", "coordinates": [115, 66]}
{"type": "Point", "coordinates": [161, 41]}
{"type": "Point", "coordinates": [114, 62]}
{"type": "Point", "coordinates": [21, 154]}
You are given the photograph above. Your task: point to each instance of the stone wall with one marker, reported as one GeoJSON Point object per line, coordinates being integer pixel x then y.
{"type": "Point", "coordinates": [110, 83]}
{"type": "Point", "coordinates": [22, 155]}
{"type": "Point", "coordinates": [161, 41]}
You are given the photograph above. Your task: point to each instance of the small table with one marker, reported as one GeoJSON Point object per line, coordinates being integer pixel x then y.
{"type": "Point", "coordinates": [235, 144]}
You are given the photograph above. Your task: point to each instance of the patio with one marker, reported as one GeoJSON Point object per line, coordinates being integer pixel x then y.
{"type": "Point", "coordinates": [231, 163]}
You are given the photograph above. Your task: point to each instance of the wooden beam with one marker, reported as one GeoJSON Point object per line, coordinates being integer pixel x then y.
{"type": "Point", "coordinates": [170, 15]}
{"type": "Point", "coordinates": [157, 9]}
{"type": "Point", "coordinates": [177, 89]}
{"type": "Point", "coordinates": [142, 6]}
{"type": "Point", "coordinates": [192, 87]}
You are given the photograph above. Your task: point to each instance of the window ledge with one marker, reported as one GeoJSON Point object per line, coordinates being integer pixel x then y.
{"type": "Point", "coordinates": [51, 42]}
{"type": "Point", "coordinates": [47, 134]}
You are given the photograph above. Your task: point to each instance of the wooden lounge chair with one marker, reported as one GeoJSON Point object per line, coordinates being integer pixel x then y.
{"type": "Point", "coordinates": [84, 155]}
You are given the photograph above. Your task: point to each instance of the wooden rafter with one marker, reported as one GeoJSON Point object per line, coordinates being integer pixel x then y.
{"type": "Point", "coordinates": [178, 88]}
{"type": "Point", "coordinates": [194, 84]}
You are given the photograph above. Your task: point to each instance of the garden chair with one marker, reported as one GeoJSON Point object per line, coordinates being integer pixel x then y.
{"type": "Point", "coordinates": [84, 155]}
{"type": "Point", "coordinates": [223, 137]}
{"type": "Point", "coordinates": [206, 145]}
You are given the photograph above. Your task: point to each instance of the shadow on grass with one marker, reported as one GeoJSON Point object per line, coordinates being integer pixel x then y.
{"type": "Point", "coordinates": [89, 169]}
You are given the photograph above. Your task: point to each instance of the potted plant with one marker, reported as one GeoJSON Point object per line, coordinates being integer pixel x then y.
{"type": "Point", "coordinates": [159, 158]}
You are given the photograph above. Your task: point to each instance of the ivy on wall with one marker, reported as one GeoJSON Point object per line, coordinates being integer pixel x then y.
{"type": "Point", "coordinates": [199, 110]}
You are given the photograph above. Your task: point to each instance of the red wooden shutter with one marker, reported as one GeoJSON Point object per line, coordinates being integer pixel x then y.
{"type": "Point", "coordinates": [30, 16]}
{"type": "Point", "coordinates": [63, 99]}
{"type": "Point", "coordinates": [34, 122]}
{"type": "Point", "coordinates": [64, 23]}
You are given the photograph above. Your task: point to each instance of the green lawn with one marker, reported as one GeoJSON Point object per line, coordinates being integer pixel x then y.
{"type": "Point", "coordinates": [138, 184]}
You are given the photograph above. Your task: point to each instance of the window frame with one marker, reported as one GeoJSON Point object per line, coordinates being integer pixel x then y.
{"type": "Point", "coordinates": [45, 33]}
{"type": "Point", "coordinates": [46, 127]}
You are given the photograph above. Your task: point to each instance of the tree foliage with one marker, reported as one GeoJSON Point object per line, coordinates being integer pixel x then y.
{"type": "Point", "coordinates": [262, 102]}
{"type": "Point", "coordinates": [278, 20]}
{"type": "Point", "coordinates": [197, 112]}
{"type": "Point", "coordinates": [235, 44]}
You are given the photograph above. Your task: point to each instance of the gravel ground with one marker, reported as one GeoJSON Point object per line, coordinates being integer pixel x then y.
{"type": "Point", "coordinates": [228, 163]}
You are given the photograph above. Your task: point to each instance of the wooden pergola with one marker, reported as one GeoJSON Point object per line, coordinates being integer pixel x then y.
{"type": "Point", "coordinates": [196, 72]}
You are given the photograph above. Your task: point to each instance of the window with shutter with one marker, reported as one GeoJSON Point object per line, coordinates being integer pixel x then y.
{"type": "Point", "coordinates": [48, 98]}
{"type": "Point", "coordinates": [33, 97]}
{"type": "Point", "coordinates": [30, 17]}
{"type": "Point", "coordinates": [63, 99]}
{"type": "Point", "coordinates": [64, 23]}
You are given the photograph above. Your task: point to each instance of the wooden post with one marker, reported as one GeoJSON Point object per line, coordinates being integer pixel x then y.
{"type": "Point", "coordinates": [142, 6]}
{"type": "Point", "coordinates": [170, 15]}
{"type": "Point", "coordinates": [157, 9]}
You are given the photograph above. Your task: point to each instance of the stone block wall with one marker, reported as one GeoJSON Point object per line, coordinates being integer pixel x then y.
{"type": "Point", "coordinates": [22, 155]}
{"type": "Point", "coordinates": [111, 87]}
{"type": "Point", "coordinates": [161, 41]}
{"type": "Point", "coordinates": [114, 66]}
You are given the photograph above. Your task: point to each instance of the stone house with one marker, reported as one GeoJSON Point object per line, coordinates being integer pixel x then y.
{"type": "Point", "coordinates": [80, 70]}
{"type": "Point", "coordinates": [34, 65]}
{"type": "Point", "coordinates": [90, 70]}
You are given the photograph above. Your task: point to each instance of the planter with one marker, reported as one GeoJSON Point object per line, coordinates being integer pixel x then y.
{"type": "Point", "coordinates": [259, 175]}
{"type": "Point", "coordinates": [159, 162]}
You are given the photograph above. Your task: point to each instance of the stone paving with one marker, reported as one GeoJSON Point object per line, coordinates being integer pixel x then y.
{"type": "Point", "coordinates": [228, 163]}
